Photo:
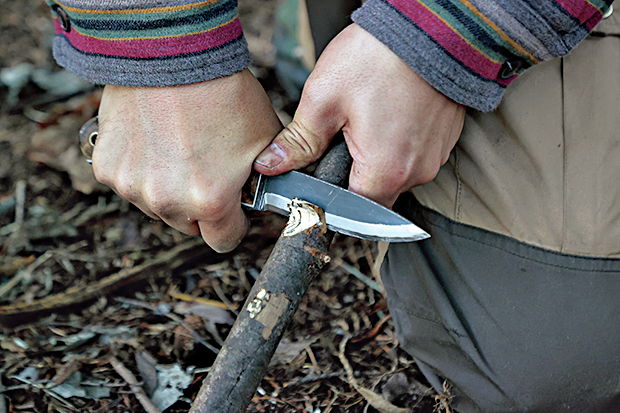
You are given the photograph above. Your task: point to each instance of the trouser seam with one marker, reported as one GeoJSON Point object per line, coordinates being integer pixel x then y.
{"type": "Point", "coordinates": [459, 186]}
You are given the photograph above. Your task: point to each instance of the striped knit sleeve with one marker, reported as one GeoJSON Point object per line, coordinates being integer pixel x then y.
{"type": "Point", "coordinates": [471, 50]}
{"type": "Point", "coordinates": [149, 42]}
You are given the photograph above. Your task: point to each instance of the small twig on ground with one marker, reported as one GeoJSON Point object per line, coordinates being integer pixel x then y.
{"type": "Point", "coordinates": [171, 260]}
{"type": "Point", "coordinates": [374, 399]}
{"type": "Point", "coordinates": [375, 330]}
{"type": "Point", "coordinates": [14, 265]}
{"type": "Point", "coordinates": [98, 210]}
{"type": "Point", "coordinates": [361, 276]}
{"type": "Point", "coordinates": [220, 294]}
{"type": "Point", "coordinates": [49, 392]}
{"type": "Point", "coordinates": [315, 365]}
{"type": "Point", "coordinates": [174, 293]}
{"type": "Point", "coordinates": [328, 409]}
{"type": "Point", "coordinates": [314, 377]}
{"type": "Point", "coordinates": [135, 386]}
{"type": "Point", "coordinates": [21, 275]}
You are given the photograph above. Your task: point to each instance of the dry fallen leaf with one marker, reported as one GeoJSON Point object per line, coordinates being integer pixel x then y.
{"type": "Point", "coordinates": [147, 366]}
{"type": "Point", "coordinates": [287, 350]}
{"type": "Point", "coordinates": [211, 313]}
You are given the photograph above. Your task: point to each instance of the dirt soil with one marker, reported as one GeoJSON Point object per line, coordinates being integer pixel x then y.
{"type": "Point", "coordinates": [100, 305]}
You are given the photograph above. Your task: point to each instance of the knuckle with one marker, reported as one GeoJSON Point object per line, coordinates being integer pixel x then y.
{"type": "Point", "coordinates": [427, 173]}
{"type": "Point", "coordinates": [159, 202]}
{"type": "Point", "coordinates": [318, 89]}
{"type": "Point", "coordinates": [445, 158]}
{"type": "Point", "coordinates": [222, 235]}
{"type": "Point", "coordinates": [425, 178]}
{"type": "Point", "coordinates": [400, 179]}
{"type": "Point", "coordinates": [124, 187]}
{"type": "Point", "coordinates": [215, 209]}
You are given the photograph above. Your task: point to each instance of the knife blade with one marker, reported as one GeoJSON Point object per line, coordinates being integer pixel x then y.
{"type": "Point", "coordinates": [345, 212]}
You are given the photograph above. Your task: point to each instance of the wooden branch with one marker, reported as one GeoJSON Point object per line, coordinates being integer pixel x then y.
{"type": "Point", "coordinates": [293, 264]}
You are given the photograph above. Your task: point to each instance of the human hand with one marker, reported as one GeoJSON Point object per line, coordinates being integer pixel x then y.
{"type": "Point", "coordinates": [182, 154]}
{"type": "Point", "coordinates": [398, 128]}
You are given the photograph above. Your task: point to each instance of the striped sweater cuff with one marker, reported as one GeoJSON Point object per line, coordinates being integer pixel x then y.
{"type": "Point", "coordinates": [471, 50]}
{"type": "Point", "coordinates": [111, 42]}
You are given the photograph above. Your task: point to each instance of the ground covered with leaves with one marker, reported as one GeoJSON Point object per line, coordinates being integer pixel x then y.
{"type": "Point", "coordinates": [105, 310]}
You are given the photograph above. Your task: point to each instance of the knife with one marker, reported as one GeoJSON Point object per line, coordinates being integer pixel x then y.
{"type": "Point", "coordinates": [345, 212]}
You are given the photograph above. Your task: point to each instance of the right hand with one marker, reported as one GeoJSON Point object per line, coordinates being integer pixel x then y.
{"type": "Point", "coordinates": [182, 154]}
{"type": "Point", "coordinates": [398, 128]}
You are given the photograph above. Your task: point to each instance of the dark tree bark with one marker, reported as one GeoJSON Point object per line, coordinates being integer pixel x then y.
{"type": "Point", "coordinates": [294, 262]}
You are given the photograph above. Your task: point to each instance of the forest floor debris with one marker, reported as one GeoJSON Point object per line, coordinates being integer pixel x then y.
{"type": "Point", "coordinates": [105, 310]}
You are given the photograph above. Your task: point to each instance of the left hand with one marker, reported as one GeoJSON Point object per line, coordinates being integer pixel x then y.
{"type": "Point", "coordinates": [399, 129]}
{"type": "Point", "coordinates": [182, 153]}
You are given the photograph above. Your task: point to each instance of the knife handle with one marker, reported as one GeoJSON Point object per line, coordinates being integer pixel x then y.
{"type": "Point", "coordinates": [251, 190]}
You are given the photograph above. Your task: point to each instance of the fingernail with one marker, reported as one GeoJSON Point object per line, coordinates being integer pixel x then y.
{"type": "Point", "coordinates": [272, 156]}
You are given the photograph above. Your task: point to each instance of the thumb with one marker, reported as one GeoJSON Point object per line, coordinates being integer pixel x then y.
{"type": "Point", "coordinates": [296, 146]}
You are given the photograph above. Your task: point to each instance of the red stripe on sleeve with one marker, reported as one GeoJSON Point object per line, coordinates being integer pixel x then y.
{"type": "Point", "coordinates": [583, 11]}
{"type": "Point", "coordinates": [451, 41]}
{"type": "Point", "coordinates": [152, 48]}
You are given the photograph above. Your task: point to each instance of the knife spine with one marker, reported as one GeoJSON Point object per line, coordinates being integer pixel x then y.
{"type": "Point", "coordinates": [259, 198]}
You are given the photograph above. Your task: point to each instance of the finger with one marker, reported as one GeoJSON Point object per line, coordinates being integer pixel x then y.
{"type": "Point", "coordinates": [225, 234]}
{"type": "Point", "coordinates": [122, 189]}
{"type": "Point", "coordinates": [304, 140]}
{"type": "Point", "coordinates": [296, 146]}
